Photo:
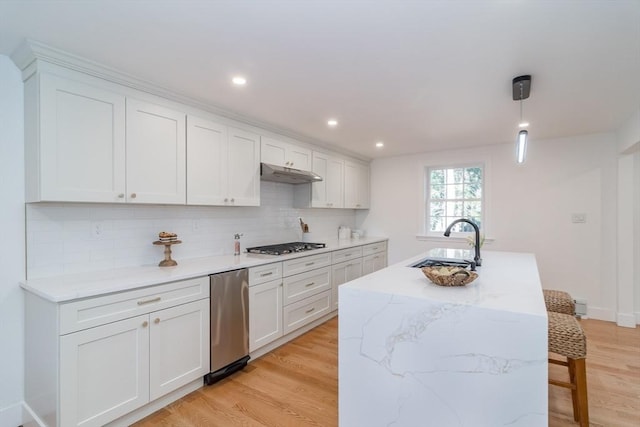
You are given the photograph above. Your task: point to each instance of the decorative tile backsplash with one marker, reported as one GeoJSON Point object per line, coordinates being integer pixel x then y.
{"type": "Point", "coordinates": [64, 238]}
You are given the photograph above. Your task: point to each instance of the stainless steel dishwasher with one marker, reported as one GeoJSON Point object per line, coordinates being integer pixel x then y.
{"type": "Point", "coordinates": [229, 324]}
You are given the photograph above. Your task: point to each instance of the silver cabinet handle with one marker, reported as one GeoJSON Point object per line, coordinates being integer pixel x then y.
{"type": "Point", "coordinates": [134, 195]}
{"type": "Point", "coordinates": [232, 200]}
{"type": "Point", "coordinates": [226, 199]}
{"type": "Point", "coordinates": [121, 196]}
{"type": "Point", "coordinates": [156, 320]}
{"type": "Point", "coordinates": [266, 274]}
{"type": "Point", "coordinates": [310, 284]}
{"type": "Point", "coordinates": [145, 324]}
{"type": "Point", "coordinates": [310, 310]}
{"type": "Point", "coordinates": [149, 301]}
{"type": "Point", "coordinates": [309, 263]}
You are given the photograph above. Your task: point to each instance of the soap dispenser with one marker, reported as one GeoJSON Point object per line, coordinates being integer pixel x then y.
{"type": "Point", "coordinates": [236, 243]}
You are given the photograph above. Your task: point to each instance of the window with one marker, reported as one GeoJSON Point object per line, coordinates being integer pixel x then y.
{"type": "Point", "coordinates": [453, 193]}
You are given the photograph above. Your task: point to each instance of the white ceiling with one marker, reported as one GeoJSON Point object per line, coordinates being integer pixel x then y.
{"type": "Point", "coordinates": [418, 75]}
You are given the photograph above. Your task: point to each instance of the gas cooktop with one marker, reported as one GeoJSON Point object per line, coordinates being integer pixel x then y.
{"type": "Point", "coordinates": [285, 248]}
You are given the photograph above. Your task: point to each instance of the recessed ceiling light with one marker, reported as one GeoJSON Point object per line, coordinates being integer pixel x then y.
{"type": "Point", "coordinates": [523, 124]}
{"type": "Point", "coordinates": [380, 144]}
{"type": "Point", "coordinates": [239, 81]}
{"type": "Point", "coordinates": [332, 122]}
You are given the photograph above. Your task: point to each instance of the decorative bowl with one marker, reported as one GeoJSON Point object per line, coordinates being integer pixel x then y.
{"type": "Point", "coordinates": [449, 276]}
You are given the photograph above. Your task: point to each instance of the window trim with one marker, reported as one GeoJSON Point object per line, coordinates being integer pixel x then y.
{"type": "Point", "coordinates": [424, 234]}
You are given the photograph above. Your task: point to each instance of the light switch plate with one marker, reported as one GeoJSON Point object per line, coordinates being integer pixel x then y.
{"type": "Point", "coordinates": [578, 218]}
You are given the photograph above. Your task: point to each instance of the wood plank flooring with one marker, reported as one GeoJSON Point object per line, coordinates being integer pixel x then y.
{"type": "Point", "coordinates": [297, 385]}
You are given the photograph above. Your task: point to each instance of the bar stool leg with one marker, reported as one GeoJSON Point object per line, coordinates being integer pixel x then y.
{"type": "Point", "coordinates": [581, 388]}
{"type": "Point", "coordinates": [574, 388]}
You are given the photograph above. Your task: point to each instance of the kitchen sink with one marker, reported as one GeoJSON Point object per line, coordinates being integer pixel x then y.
{"type": "Point", "coordinates": [446, 262]}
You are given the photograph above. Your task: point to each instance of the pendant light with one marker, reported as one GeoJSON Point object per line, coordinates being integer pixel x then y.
{"type": "Point", "coordinates": [521, 89]}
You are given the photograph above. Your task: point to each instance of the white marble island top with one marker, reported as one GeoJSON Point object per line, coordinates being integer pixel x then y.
{"type": "Point", "coordinates": [412, 353]}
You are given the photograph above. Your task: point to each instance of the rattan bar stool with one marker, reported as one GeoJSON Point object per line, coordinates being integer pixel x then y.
{"type": "Point", "coordinates": [559, 302]}
{"type": "Point", "coordinates": [566, 338]}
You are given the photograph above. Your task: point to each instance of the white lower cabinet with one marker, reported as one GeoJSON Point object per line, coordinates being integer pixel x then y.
{"type": "Point", "coordinates": [374, 262]}
{"type": "Point", "coordinates": [104, 372]}
{"type": "Point", "coordinates": [265, 313]}
{"type": "Point", "coordinates": [305, 311]}
{"type": "Point", "coordinates": [112, 354]}
{"type": "Point", "coordinates": [342, 273]}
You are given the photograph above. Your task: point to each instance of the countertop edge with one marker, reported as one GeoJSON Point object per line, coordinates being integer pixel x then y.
{"type": "Point", "coordinates": [66, 288]}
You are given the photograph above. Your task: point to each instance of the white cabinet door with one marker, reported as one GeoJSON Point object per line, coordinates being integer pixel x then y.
{"type": "Point", "coordinates": [284, 154]}
{"type": "Point", "coordinates": [178, 347]}
{"type": "Point", "coordinates": [374, 262]}
{"type": "Point", "coordinates": [244, 168]}
{"type": "Point", "coordinates": [79, 155]}
{"type": "Point", "coordinates": [207, 165]}
{"type": "Point", "coordinates": [342, 273]}
{"type": "Point", "coordinates": [156, 151]}
{"type": "Point", "coordinates": [104, 372]}
{"type": "Point", "coordinates": [327, 193]}
{"type": "Point", "coordinates": [265, 313]}
{"type": "Point", "coordinates": [356, 186]}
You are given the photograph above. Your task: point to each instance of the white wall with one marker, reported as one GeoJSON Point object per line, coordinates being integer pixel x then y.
{"type": "Point", "coordinates": [529, 209]}
{"type": "Point", "coordinates": [12, 247]}
{"type": "Point", "coordinates": [629, 133]}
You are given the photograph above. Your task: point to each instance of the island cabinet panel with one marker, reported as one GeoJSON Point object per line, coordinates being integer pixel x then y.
{"type": "Point", "coordinates": [265, 313]}
{"type": "Point", "coordinates": [283, 154]}
{"type": "Point", "coordinates": [156, 150]}
{"type": "Point", "coordinates": [75, 141]}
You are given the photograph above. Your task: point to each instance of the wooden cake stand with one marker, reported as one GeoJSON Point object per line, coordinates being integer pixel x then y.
{"type": "Point", "coordinates": [167, 261]}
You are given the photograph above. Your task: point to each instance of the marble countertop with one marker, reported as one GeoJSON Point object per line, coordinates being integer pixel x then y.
{"type": "Point", "coordinates": [506, 281]}
{"type": "Point", "coordinates": [71, 287]}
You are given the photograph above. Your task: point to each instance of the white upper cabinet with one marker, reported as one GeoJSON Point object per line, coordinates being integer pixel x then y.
{"type": "Point", "coordinates": [85, 143]}
{"type": "Point", "coordinates": [76, 150]}
{"type": "Point", "coordinates": [284, 154]}
{"type": "Point", "coordinates": [223, 165]}
{"type": "Point", "coordinates": [156, 150]}
{"type": "Point", "coordinates": [327, 193]}
{"type": "Point", "coordinates": [356, 186]}
{"type": "Point", "coordinates": [244, 168]}
{"type": "Point", "coordinates": [206, 162]}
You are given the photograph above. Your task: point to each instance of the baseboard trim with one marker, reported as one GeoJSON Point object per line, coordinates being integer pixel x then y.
{"type": "Point", "coordinates": [11, 415]}
{"type": "Point", "coordinates": [627, 320]}
{"type": "Point", "coordinates": [637, 317]}
{"type": "Point", "coordinates": [601, 314]}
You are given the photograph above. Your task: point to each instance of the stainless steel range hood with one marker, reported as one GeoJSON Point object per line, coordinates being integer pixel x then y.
{"type": "Point", "coordinates": [275, 173]}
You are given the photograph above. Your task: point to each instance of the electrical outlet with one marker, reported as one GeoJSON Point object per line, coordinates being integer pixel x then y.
{"type": "Point", "coordinates": [578, 218]}
{"type": "Point", "coordinates": [97, 230]}
{"type": "Point", "coordinates": [581, 306]}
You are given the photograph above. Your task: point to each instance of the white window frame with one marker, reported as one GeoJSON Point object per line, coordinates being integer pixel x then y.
{"type": "Point", "coordinates": [425, 233]}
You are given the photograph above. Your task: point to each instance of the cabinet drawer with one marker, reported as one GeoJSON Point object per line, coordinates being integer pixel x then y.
{"type": "Point", "coordinates": [300, 265]}
{"type": "Point", "coordinates": [302, 285]}
{"type": "Point", "coordinates": [78, 315]}
{"type": "Point", "coordinates": [265, 273]}
{"type": "Point", "coordinates": [309, 309]}
{"type": "Point", "coordinates": [346, 254]}
{"type": "Point", "coordinates": [373, 248]}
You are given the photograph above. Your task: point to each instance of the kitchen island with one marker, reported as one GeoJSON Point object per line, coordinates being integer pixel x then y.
{"type": "Point", "coordinates": [415, 354]}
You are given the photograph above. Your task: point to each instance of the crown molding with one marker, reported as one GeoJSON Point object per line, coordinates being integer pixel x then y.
{"type": "Point", "coordinates": [30, 52]}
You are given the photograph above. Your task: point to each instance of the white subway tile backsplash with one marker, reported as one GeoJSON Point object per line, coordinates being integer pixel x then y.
{"type": "Point", "coordinates": [62, 239]}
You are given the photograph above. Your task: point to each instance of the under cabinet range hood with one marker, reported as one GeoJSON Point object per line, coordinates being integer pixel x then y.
{"type": "Point", "coordinates": [269, 172]}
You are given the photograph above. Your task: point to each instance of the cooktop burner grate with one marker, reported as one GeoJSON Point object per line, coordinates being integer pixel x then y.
{"type": "Point", "coordinates": [285, 248]}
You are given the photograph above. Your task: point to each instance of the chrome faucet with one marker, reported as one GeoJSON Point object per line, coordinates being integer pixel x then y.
{"type": "Point", "coordinates": [447, 233]}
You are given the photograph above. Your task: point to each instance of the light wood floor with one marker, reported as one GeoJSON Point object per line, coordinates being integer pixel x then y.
{"type": "Point", "coordinates": [297, 385]}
